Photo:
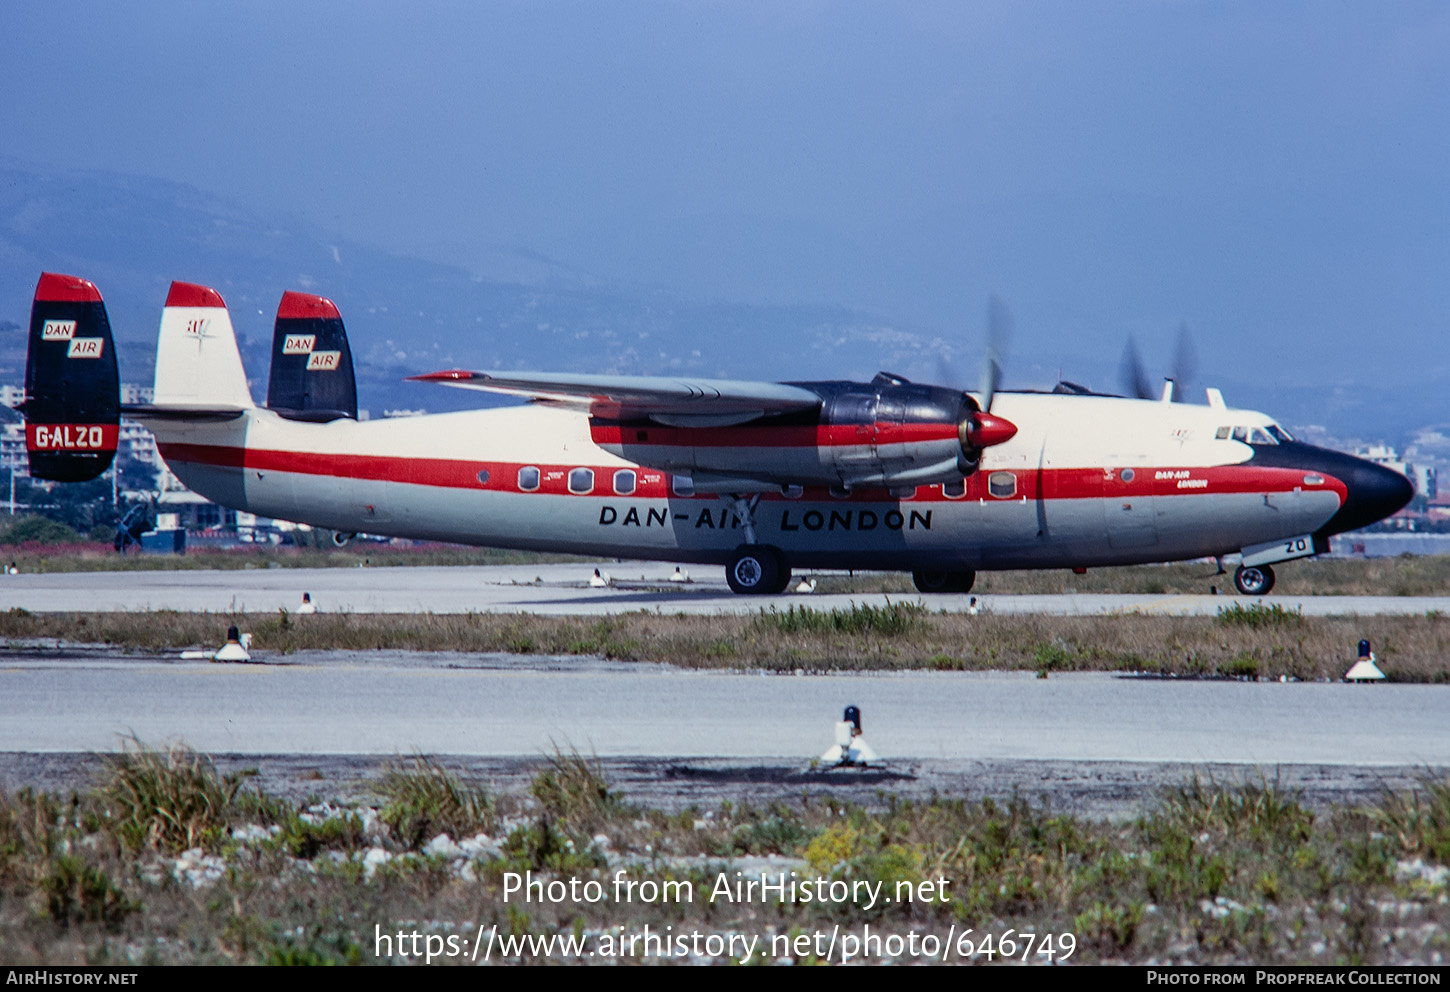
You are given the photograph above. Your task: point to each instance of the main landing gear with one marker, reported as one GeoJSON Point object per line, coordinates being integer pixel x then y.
{"type": "Point", "coordinates": [758, 569]}
{"type": "Point", "coordinates": [754, 569]}
{"type": "Point", "coordinates": [1254, 580]}
{"type": "Point", "coordinates": [943, 581]}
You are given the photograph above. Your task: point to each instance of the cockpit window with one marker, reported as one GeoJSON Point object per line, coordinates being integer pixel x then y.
{"type": "Point", "coordinates": [1257, 435]}
{"type": "Point", "coordinates": [1279, 434]}
{"type": "Point", "coordinates": [1241, 434]}
{"type": "Point", "coordinates": [1222, 434]}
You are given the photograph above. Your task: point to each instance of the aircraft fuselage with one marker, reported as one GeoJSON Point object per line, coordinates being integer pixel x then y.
{"type": "Point", "coordinates": [1086, 481]}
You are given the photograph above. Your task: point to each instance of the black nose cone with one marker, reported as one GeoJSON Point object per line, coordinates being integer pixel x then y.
{"type": "Point", "coordinates": [1374, 493]}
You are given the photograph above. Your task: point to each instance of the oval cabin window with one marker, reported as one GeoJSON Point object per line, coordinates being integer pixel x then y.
{"type": "Point", "coordinates": [624, 482]}
{"type": "Point", "coordinates": [528, 478]}
{"type": "Point", "coordinates": [1002, 484]}
{"type": "Point", "coordinates": [683, 485]}
{"type": "Point", "coordinates": [954, 490]}
{"type": "Point", "coordinates": [581, 481]}
{"type": "Point", "coordinates": [483, 477]}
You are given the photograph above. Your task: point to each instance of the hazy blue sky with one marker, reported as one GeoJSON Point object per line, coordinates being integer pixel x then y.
{"type": "Point", "coordinates": [1276, 174]}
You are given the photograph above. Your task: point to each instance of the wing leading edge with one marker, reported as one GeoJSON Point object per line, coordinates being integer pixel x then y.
{"type": "Point", "coordinates": [675, 402]}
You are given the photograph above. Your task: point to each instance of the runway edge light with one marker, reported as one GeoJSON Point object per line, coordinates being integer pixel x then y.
{"type": "Point", "coordinates": [1365, 669]}
{"type": "Point", "coordinates": [850, 749]}
{"type": "Point", "coordinates": [233, 650]}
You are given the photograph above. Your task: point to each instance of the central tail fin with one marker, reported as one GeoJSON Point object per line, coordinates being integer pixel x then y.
{"type": "Point", "coordinates": [73, 392]}
{"type": "Point", "coordinates": [198, 367]}
{"type": "Point", "coordinates": [312, 376]}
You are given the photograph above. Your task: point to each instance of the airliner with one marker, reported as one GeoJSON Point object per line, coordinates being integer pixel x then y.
{"type": "Point", "coordinates": [759, 477]}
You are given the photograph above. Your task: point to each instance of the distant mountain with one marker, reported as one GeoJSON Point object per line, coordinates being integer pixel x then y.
{"type": "Point", "coordinates": [507, 309]}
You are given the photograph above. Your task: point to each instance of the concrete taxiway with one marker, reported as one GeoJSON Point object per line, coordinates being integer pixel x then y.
{"type": "Point", "coordinates": [564, 589]}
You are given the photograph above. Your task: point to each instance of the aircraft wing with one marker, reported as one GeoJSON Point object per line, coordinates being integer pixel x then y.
{"type": "Point", "coordinates": [671, 401]}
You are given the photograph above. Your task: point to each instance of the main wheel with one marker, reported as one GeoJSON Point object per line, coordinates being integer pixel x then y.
{"type": "Point", "coordinates": [782, 577]}
{"type": "Point", "coordinates": [943, 581]}
{"type": "Point", "coordinates": [1254, 580]}
{"type": "Point", "coordinates": [754, 569]}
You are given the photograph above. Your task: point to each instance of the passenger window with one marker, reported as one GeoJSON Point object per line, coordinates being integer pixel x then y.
{"type": "Point", "coordinates": [483, 477]}
{"type": "Point", "coordinates": [1002, 484]}
{"type": "Point", "coordinates": [792, 491]}
{"type": "Point", "coordinates": [528, 478]}
{"type": "Point", "coordinates": [581, 481]}
{"type": "Point", "coordinates": [954, 490]}
{"type": "Point", "coordinates": [683, 485]}
{"type": "Point", "coordinates": [624, 482]}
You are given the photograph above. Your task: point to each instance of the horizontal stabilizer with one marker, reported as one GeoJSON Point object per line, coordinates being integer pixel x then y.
{"type": "Point", "coordinates": [312, 376]}
{"type": "Point", "coordinates": [713, 402]}
{"type": "Point", "coordinates": [150, 411]}
{"type": "Point", "coordinates": [73, 391]}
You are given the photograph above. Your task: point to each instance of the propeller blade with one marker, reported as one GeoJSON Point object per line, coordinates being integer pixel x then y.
{"type": "Point", "coordinates": [1185, 363]}
{"type": "Point", "coordinates": [1130, 373]}
{"type": "Point", "coordinates": [999, 335]}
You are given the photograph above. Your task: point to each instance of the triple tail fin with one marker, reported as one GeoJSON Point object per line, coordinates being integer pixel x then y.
{"type": "Point", "coordinates": [312, 376]}
{"type": "Point", "coordinates": [72, 388]}
{"type": "Point", "coordinates": [199, 372]}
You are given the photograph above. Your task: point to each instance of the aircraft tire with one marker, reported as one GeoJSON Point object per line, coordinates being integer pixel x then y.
{"type": "Point", "coordinates": [933, 582]}
{"type": "Point", "coordinates": [782, 578]}
{"type": "Point", "coordinates": [1255, 580]}
{"type": "Point", "coordinates": [754, 570]}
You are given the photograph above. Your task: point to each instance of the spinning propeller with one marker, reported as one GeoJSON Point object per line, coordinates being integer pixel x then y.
{"type": "Point", "coordinates": [979, 428]}
{"type": "Point", "coordinates": [1135, 379]}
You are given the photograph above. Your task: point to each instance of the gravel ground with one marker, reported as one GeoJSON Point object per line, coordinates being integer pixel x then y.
{"type": "Point", "coordinates": [1113, 790]}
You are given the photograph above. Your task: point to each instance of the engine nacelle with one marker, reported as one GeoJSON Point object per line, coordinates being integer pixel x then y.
{"type": "Point", "coordinates": [886, 433]}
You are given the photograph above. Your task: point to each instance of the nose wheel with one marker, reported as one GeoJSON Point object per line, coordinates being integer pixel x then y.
{"type": "Point", "coordinates": [758, 569]}
{"type": "Point", "coordinates": [1254, 580]}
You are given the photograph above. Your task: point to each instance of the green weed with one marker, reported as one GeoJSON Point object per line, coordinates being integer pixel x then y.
{"type": "Point", "coordinates": [169, 801]}
{"type": "Point", "coordinates": [423, 799]}
{"type": "Point", "coordinates": [1256, 616]}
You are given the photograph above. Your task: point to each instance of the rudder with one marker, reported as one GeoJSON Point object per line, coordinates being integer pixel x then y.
{"type": "Point", "coordinates": [72, 386]}
{"type": "Point", "coordinates": [312, 376]}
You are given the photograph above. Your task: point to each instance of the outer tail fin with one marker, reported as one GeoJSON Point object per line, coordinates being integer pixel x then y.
{"type": "Point", "coordinates": [198, 367]}
{"type": "Point", "coordinates": [312, 376]}
{"type": "Point", "coordinates": [73, 405]}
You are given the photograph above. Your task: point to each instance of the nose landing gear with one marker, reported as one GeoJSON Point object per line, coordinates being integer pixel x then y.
{"type": "Point", "coordinates": [1254, 580]}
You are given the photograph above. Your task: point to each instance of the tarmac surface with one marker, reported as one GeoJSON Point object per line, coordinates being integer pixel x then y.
{"type": "Point", "coordinates": [326, 723]}
{"type": "Point", "coordinates": [1097, 742]}
{"type": "Point", "coordinates": [563, 589]}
